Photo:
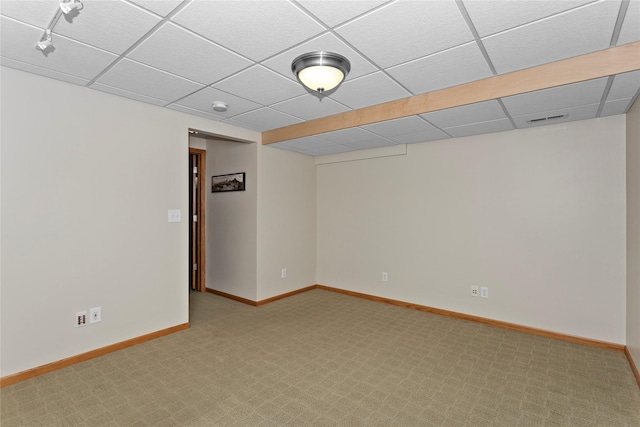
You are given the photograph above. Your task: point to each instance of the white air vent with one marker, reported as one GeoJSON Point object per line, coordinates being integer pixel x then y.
{"type": "Point", "coordinates": [544, 119]}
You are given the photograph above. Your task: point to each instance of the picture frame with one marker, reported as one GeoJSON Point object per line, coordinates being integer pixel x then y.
{"type": "Point", "coordinates": [228, 182]}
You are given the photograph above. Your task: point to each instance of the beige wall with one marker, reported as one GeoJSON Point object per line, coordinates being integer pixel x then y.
{"type": "Point", "coordinates": [536, 215]}
{"type": "Point", "coordinates": [286, 221]}
{"type": "Point", "coordinates": [231, 220]}
{"type": "Point", "coordinates": [87, 179]}
{"type": "Point", "coordinates": [633, 232]}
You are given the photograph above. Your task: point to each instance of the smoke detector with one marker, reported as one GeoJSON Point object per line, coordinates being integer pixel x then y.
{"type": "Point", "coordinates": [219, 106]}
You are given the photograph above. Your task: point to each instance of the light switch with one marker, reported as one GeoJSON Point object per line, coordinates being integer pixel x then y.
{"type": "Point", "coordinates": [174, 215]}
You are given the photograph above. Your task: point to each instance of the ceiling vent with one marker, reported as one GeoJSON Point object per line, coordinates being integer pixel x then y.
{"type": "Point", "coordinates": [544, 119]}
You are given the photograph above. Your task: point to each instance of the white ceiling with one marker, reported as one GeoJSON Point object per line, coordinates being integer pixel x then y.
{"type": "Point", "coordinates": [184, 55]}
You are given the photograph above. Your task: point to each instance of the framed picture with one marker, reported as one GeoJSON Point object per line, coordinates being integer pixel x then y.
{"type": "Point", "coordinates": [229, 182]}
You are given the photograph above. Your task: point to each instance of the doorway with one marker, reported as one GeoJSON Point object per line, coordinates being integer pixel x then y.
{"type": "Point", "coordinates": [197, 232]}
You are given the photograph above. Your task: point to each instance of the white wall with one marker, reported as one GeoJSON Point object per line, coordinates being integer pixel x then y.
{"type": "Point", "coordinates": [286, 221]}
{"type": "Point", "coordinates": [84, 217]}
{"type": "Point", "coordinates": [633, 232]}
{"type": "Point", "coordinates": [231, 220]}
{"type": "Point", "coordinates": [536, 215]}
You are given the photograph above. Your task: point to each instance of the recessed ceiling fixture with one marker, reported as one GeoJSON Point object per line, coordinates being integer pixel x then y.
{"type": "Point", "coordinates": [219, 106]}
{"type": "Point", "coordinates": [321, 71]}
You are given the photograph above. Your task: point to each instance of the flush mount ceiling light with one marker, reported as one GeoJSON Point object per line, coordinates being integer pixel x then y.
{"type": "Point", "coordinates": [67, 7]}
{"type": "Point", "coordinates": [219, 106]}
{"type": "Point", "coordinates": [321, 71]}
{"type": "Point", "coordinates": [44, 44]}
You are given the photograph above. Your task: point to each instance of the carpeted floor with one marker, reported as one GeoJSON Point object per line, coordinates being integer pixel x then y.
{"type": "Point", "coordinates": [327, 359]}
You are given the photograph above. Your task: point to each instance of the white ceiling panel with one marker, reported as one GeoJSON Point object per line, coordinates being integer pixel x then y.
{"type": "Point", "coordinates": [491, 17]}
{"type": "Point", "coordinates": [397, 127]}
{"type": "Point", "coordinates": [202, 100]}
{"type": "Point", "coordinates": [144, 80]}
{"type": "Point", "coordinates": [327, 42]}
{"type": "Point", "coordinates": [332, 149]}
{"type": "Point", "coordinates": [46, 72]}
{"type": "Point", "coordinates": [18, 42]}
{"type": "Point", "coordinates": [109, 25]}
{"type": "Point", "coordinates": [127, 94]}
{"type": "Point", "coordinates": [34, 12]}
{"type": "Point", "coordinates": [331, 15]}
{"type": "Point", "coordinates": [406, 30]}
{"type": "Point", "coordinates": [467, 114]}
{"type": "Point", "coordinates": [162, 8]}
{"type": "Point", "coordinates": [255, 29]}
{"type": "Point", "coordinates": [309, 107]}
{"type": "Point", "coordinates": [426, 136]}
{"type": "Point", "coordinates": [575, 113]}
{"type": "Point", "coordinates": [285, 147]}
{"type": "Point", "coordinates": [445, 69]}
{"type": "Point", "coordinates": [261, 85]}
{"type": "Point", "coordinates": [480, 128]}
{"type": "Point", "coordinates": [266, 118]}
{"type": "Point", "coordinates": [308, 143]}
{"type": "Point", "coordinates": [623, 85]}
{"type": "Point", "coordinates": [630, 31]}
{"type": "Point", "coordinates": [195, 112]}
{"type": "Point", "coordinates": [618, 106]}
{"type": "Point", "coordinates": [584, 93]}
{"type": "Point", "coordinates": [579, 31]}
{"type": "Point", "coordinates": [372, 89]}
{"type": "Point", "coordinates": [375, 142]}
{"type": "Point", "coordinates": [193, 57]}
{"type": "Point", "coordinates": [349, 135]}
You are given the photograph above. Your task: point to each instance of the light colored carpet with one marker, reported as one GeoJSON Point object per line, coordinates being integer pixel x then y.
{"type": "Point", "coordinates": [327, 359]}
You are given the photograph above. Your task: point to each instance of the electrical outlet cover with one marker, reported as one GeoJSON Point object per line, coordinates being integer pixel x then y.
{"type": "Point", "coordinates": [95, 315]}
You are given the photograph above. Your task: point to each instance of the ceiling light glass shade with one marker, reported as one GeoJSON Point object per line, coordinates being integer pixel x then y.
{"type": "Point", "coordinates": [321, 71]}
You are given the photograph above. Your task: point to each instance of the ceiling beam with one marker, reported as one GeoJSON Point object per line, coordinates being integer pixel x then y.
{"type": "Point", "coordinates": [615, 60]}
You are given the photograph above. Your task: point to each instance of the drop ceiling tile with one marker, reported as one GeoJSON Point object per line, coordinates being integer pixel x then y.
{"type": "Point", "coordinates": [127, 94]}
{"type": "Point", "coordinates": [425, 136]}
{"type": "Point", "coordinates": [274, 25]}
{"type": "Point", "coordinates": [569, 34]}
{"type": "Point", "coordinates": [191, 56]}
{"type": "Point", "coordinates": [562, 97]}
{"type": "Point", "coordinates": [575, 113]}
{"type": "Point", "coordinates": [630, 31]}
{"type": "Point", "coordinates": [624, 85]}
{"type": "Point", "coordinates": [492, 16]}
{"type": "Point", "coordinates": [203, 99]}
{"type": "Point", "coordinates": [18, 42]}
{"type": "Point", "coordinates": [284, 147]}
{"type": "Point", "coordinates": [261, 85]}
{"type": "Point", "coordinates": [445, 69]}
{"type": "Point", "coordinates": [309, 107]}
{"type": "Point", "coordinates": [38, 13]}
{"type": "Point", "coordinates": [480, 128]}
{"type": "Point", "coordinates": [327, 42]}
{"type": "Point", "coordinates": [109, 25]}
{"type": "Point", "coordinates": [195, 112]}
{"type": "Point", "coordinates": [347, 136]}
{"type": "Point", "coordinates": [333, 149]}
{"type": "Point", "coordinates": [46, 72]}
{"type": "Point", "coordinates": [307, 143]}
{"type": "Point", "coordinates": [375, 142]}
{"type": "Point", "coordinates": [241, 124]}
{"type": "Point", "coordinates": [397, 127]}
{"type": "Point", "coordinates": [266, 119]}
{"type": "Point", "coordinates": [372, 89]}
{"type": "Point", "coordinates": [332, 15]}
{"type": "Point", "coordinates": [618, 106]}
{"type": "Point", "coordinates": [406, 30]}
{"type": "Point", "coordinates": [467, 114]}
{"type": "Point", "coordinates": [144, 80]}
{"type": "Point", "coordinates": [162, 8]}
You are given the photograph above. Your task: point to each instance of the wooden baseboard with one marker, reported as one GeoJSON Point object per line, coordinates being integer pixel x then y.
{"type": "Point", "coordinates": [634, 368]}
{"type": "Point", "coordinates": [501, 324]}
{"type": "Point", "coordinates": [54, 366]}
{"type": "Point", "coordinates": [261, 302]}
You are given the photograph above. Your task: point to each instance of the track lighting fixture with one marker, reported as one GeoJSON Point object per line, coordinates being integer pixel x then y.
{"type": "Point", "coordinates": [44, 44]}
{"type": "Point", "coordinates": [321, 71]}
{"type": "Point", "coordinates": [70, 5]}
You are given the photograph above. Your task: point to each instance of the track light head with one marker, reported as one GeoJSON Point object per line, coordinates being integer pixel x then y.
{"type": "Point", "coordinates": [44, 44]}
{"type": "Point", "coordinates": [67, 7]}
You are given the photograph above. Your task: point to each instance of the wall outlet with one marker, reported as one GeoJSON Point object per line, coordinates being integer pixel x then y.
{"type": "Point", "coordinates": [95, 315]}
{"type": "Point", "coordinates": [385, 276]}
{"type": "Point", "coordinates": [474, 291]}
{"type": "Point", "coordinates": [283, 273]}
{"type": "Point", "coordinates": [484, 292]}
{"type": "Point", "coordinates": [81, 318]}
